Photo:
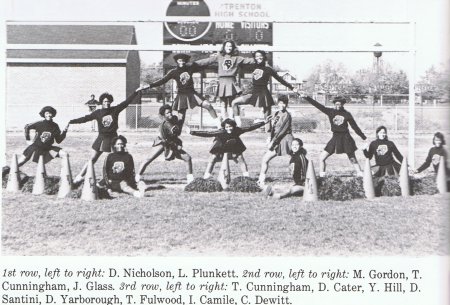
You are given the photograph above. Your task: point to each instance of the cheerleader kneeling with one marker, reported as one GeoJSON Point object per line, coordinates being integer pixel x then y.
{"type": "Point", "coordinates": [297, 166]}
{"type": "Point", "coordinates": [118, 171]}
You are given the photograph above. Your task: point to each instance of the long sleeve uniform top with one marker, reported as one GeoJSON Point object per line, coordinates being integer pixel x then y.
{"type": "Point", "coordinates": [227, 142]}
{"type": "Point", "coordinates": [262, 75]}
{"type": "Point", "coordinates": [281, 126]}
{"type": "Point", "coordinates": [384, 152]}
{"type": "Point", "coordinates": [183, 77]}
{"type": "Point", "coordinates": [107, 118]}
{"type": "Point", "coordinates": [170, 131]}
{"type": "Point", "coordinates": [119, 166]}
{"type": "Point", "coordinates": [47, 132]}
{"type": "Point", "coordinates": [339, 119]}
{"type": "Point", "coordinates": [228, 65]}
{"type": "Point", "coordinates": [298, 164]}
{"type": "Point", "coordinates": [433, 157]}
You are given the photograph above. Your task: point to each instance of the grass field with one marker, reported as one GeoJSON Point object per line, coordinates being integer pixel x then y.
{"type": "Point", "coordinates": [173, 222]}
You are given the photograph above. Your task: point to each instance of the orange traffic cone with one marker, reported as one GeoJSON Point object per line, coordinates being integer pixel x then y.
{"type": "Point", "coordinates": [441, 177]}
{"type": "Point", "coordinates": [65, 182]}
{"type": "Point", "coordinates": [224, 172]}
{"type": "Point", "coordinates": [39, 179]}
{"type": "Point", "coordinates": [89, 191]}
{"type": "Point", "coordinates": [14, 176]}
{"type": "Point", "coordinates": [404, 178]}
{"type": "Point", "coordinates": [369, 190]}
{"type": "Point", "coordinates": [310, 193]}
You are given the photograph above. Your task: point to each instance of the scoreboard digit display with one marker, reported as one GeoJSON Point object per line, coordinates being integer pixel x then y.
{"type": "Point", "coordinates": [197, 33]}
{"type": "Point", "coordinates": [242, 32]}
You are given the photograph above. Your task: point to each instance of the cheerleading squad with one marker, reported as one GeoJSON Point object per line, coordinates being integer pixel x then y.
{"type": "Point", "coordinates": [119, 168]}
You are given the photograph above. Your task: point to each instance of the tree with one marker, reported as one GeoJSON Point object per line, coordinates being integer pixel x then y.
{"type": "Point", "coordinates": [435, 84]}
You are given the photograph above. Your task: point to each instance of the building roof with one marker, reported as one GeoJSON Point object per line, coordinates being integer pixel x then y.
{"type": "Point", "coordinates": [283, 73]}
{"type": "Point", "coordinates": [69, 34]}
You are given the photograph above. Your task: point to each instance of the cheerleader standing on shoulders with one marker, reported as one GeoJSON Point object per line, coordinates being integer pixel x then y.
{"type": "Point", "coordinates": [260, 95]}
{"type": "Point", "coordinates": [434, 155]}
{"type": "Point", "coordinates": [228, 63]}
{"type": "Point", "coordinates": [169, 143]}
{"type": "Point", "coordinates": [47, 133]}
{"type": "Point", "coordinates": [227, 140]}
{"type": "Point", "coordinates": [297, 166]}
{"type": "Point", "coordinates": [107, 121]}
{"type": "Point", "coordinates": [342, 141]}
{"type": "Point", "coordinates": [118, 170]}
{"type": "Point", "coordinates": [384, 152]}
{"type": "Point", "coordinates": [280, 137]}
{"type": "Point", "coordinates": [187, 97]}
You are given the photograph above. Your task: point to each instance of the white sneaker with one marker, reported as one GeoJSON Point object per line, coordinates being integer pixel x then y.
{"type": "Point", "coordinates": [78, 179]}
{"type": "Point", "coordinates": [245, 174]}
{"type": "Point", "coordinates": [137, 194]}
{"type": "Point", "coordinates": [137, 178]}
{"type": "Point", "coordinates": [112, 194]}
{"type": "Point", "coordinates": [190, 178]}
{"type": "Point", "coordinates": [207, 176]}
{"type": "Point", "coordinates": [322, 174]}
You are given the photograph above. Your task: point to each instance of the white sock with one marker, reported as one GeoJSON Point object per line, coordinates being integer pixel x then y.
{"type": "Point", "coordinates": [190, 178]}
{"type": "Point", "coordinates": [262, 178]}
{"type": "Point", "coordinates": [238, 121]}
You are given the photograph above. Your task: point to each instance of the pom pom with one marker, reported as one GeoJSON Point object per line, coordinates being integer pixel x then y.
{"type": "Point", "coordinates": [203, 185]}
{"type": "Point", "coordinates": [244, 185]}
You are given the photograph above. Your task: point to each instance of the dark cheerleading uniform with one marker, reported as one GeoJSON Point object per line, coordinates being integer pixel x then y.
{"type": "Point", "coordinates": [384, 152]}
{"type": "Point", "coordinates": [170, 131]}
{"type": "Point", "coordinates": [186, 97]}
{"type": "Point", "coordinates": [107, 121]}
{"type": "Point", "coordinates": [433, 158]}
{"type": "Point", "coordinates": [281, 133]}
{"type": "Point", "coordinates": [225, 142]}
{"type": "Point", "coordinates": [300, 163]}
{"type": "Point", "coordinates": [342, 141]}
{"type": "Point", "coordinates": [260, 95]}
{"type": "Point", "coordinates": [47, 132]}
{"type": "Point", "coordinates": [227, 70]}
{"type": "Point", "coordinates": [118, 168]}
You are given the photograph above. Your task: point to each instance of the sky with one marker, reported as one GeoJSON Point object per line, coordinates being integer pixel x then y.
{"type": "Point", "coordinates": [431, 17]}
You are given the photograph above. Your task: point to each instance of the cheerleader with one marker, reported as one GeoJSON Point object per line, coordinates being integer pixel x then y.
{"type": "Point", "coordinates": [260, 95]}
{"type": "Point", "coordinates": [297, 166]}
{"type": "Point", "coordinates": [118, 170]}
{"type": "Point", "coordinates": [384, 152]}
{"type": "Point", "coordinates": [228, 63]}
{"type": "Point", "coordinates": [227, 140]}
{"type": "Point", "coordinates": [47, 132]}
{"type": "Point", "coordinates": [169, 143]}
{"type": "Point", "coordinates": [342, 141]}
{"type": "Point", "coordinates": [434, 155]}
{"type": "Point", "coordinates": [107, 121]}
{"type": "Point", "coordinates": [280, 137]}
{"type": "Point", "coordinates": [187, 97]}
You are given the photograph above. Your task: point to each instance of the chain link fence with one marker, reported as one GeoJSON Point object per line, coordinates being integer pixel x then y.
{"type": "Point", "coordinates": [306, 118]}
